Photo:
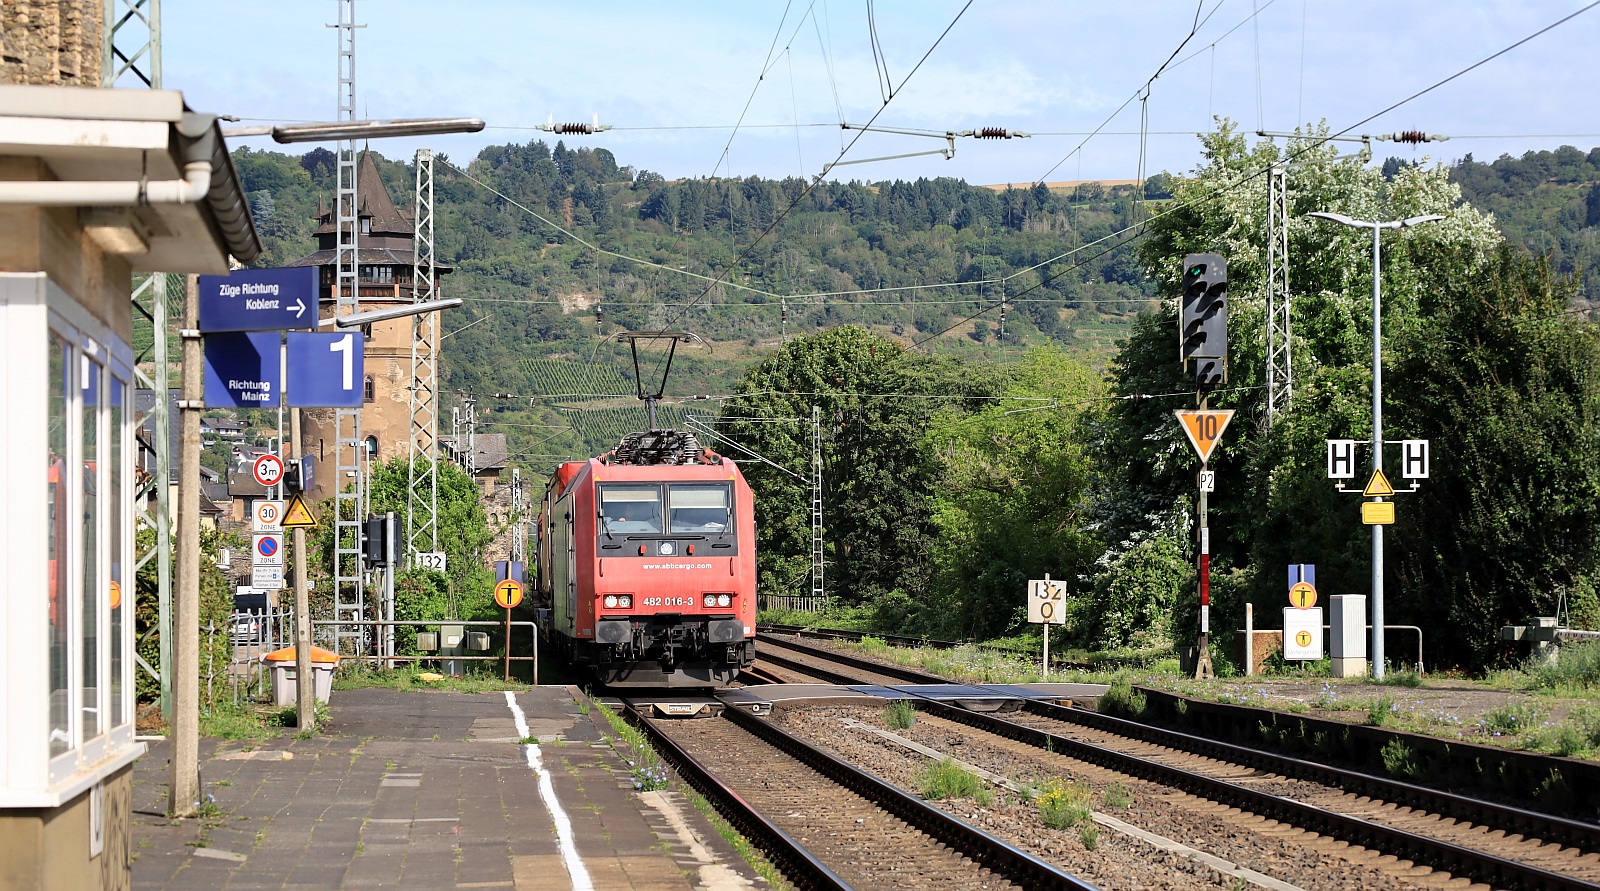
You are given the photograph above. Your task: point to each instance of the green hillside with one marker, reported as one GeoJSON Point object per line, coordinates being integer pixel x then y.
{"type": "Point", "coordinates": [908, 260]}
{"type": "Point", "coordinates": [905, 259]}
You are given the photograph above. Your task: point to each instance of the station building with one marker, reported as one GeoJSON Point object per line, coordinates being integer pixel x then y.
{"type": "Point", "coordinates": [96, 185]}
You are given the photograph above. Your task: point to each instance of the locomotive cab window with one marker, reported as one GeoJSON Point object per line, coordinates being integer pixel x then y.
{"type": "Point", "coordinates": [699, 510]}
{"type": "Point", "coordinates": [631, 509]}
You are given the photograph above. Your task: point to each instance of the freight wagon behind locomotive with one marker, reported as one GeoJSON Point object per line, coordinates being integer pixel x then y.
{"type": "Point", "coordinates": [647, 564]}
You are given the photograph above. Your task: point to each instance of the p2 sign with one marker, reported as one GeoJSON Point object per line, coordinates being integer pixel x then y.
{"type": "Point", "coordinates": [325, 370]}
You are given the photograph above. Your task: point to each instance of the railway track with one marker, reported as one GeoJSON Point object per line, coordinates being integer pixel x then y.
{"type": "Point", "coordinates": [1484, 841]}
{"type": "Point", "coordinates": [829, 825]}
{"type": "Point", "coordinates": [902, 640]}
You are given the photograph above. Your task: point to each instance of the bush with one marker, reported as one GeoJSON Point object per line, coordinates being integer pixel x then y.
{"type": "Point", "coordinates": [1575, 665]}
{"type": "Point", "coordinates": [947, 779]}
{"type": "Point", "coordinates": [1510, 719]}
{"type": "Point", "coordinates": [900, 714]}
{"type": "Point", "coordinates": [1122, 699]}
{"type": "Point", "coordinates": [1063, 805]}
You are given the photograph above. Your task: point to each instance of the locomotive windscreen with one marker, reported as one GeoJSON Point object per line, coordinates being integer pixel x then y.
{"type": "Point", "coordinates": [631, 508]}
{"type": "Point", "coordinates": [698, 509]}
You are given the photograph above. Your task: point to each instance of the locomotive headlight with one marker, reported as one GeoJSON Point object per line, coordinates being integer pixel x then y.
{"type": "Point", "coordinates": [724, 600]}
{"type": "Point", "coordinates": [710, 600]}
{"type": "Point", "coordinates": [625, 601]}
{"type": "Point", "coordinates": [611, 601]}
{"type": "Point", "coordinates": [666, 548]}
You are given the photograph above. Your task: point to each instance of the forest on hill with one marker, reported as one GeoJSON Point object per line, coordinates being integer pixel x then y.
{"type": "Point", "coordinates": [959, 463]}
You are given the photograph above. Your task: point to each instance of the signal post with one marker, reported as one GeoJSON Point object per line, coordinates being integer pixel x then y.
{"type": "Point", "coordinates": [1203, 339]}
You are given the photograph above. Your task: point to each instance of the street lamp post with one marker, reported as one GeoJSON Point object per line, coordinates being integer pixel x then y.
{"type": "Point", "coordinates": [1377, 227]}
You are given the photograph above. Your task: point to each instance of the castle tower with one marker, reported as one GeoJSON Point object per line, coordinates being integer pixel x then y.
{"type": "Point", "coordinates": [386, 245]}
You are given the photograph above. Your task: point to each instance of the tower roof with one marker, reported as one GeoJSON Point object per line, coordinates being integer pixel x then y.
{"type": "Point", "coordinates": [374, 203]}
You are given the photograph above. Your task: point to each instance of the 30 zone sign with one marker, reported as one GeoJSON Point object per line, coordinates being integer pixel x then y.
{"type": "Point", "coordinates": [1047, 602]}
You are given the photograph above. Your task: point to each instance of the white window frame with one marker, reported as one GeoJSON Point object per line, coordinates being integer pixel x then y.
{"type": "Point", "coordinates": [32, 307]}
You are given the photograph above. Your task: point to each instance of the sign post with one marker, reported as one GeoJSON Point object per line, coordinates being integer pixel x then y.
{"type": "Point", "coordinates": [1204, 428]}
{"type": "Point", "coordinates": [1047, 605]}
{"type": "Point", "coordinates": [1377, 512]}
{"type": "Point", "coordinates": [508, 594]}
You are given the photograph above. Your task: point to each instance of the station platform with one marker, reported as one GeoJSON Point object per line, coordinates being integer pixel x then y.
{"type": "Point", "coordinates": [428, 790]}
{"type": "Point", "coordinates": [988, 697]}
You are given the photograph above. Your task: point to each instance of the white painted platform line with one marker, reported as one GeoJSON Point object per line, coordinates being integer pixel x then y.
{"type": "Point", "coordinates": [547, 792]}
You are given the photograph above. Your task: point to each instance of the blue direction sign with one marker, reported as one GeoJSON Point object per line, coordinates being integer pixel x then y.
{"type": "Point", "coordinates": [243, 370]}
{"type": "Point", "coordinates": [259, 300]}
{"type": "Point", "coordinates": [326, 370]}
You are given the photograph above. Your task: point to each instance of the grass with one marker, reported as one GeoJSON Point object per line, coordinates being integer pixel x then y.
{"type": "Point", "coordinates": [1402, 678]}
{"type": "Point", "coordinates": [1380, 711]}
{"type": "Point", "coordinates": [1063, 805]}
{"type": "Point", "coordinates": [357, 675]}
{"type": "Point", "coordinates": [1118, 796]}
{"type": "Point", "coordinates": [946, 779]}
{"type": "Point", "coordinates": [649, 774]}
{"type": "Point", "coordinates": [900, 714]}
{"type": "Point", "coordinates": [741, 845]}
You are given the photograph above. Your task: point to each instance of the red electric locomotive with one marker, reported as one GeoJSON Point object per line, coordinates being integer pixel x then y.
{"type": "Point", "coordinates": [647, 565]}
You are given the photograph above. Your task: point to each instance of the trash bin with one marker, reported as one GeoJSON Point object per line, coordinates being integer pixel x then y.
{"type": "Point", "coordinates": [282, 662]}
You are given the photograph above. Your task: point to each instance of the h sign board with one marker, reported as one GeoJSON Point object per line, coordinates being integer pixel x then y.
{"type": "Point", "coordinates": [259, 300]}
{"type": "Point", "coordinates": [326, 370]}
{"type": "Point", "coordinates": [1414, 459]}
{"type": "Point", "coordinates": [1341, 459]}
{"type": "Point", "coordinates": [1047, 601]}
{"type": "Point", "coordinates": [243, 370]}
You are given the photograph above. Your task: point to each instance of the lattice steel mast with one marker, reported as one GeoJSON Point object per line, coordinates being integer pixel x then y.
{"type": "Point", "coordinates": [422, 499]}
{"type": "Point", "coordinates": [349, 592]}
{"type": "Point", "coordinates": [817, 589]}
{"type": "Point", "coordinates": [130, 43]}
{"type": "Point", "coordinates": [1280, 367]}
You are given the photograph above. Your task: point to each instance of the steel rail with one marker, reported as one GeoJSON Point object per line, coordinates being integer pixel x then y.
{"type": "Point", "coordinates": [1534, 824]}
{"type": "Point", "coordinates": [1549, 827]}
{"type": "Point", "coordinates": [909, 675]}
{"type": "Point", "coordinates": [1004, 860]}
{"type": "Point", "coordinates": [1478, 865]}
{"type": "Point", "coordinates": [1458, 860]}
{"type": "Point", "coordinates": [798, 865]}
{"type": "Point", "coordinates": [902, 640]}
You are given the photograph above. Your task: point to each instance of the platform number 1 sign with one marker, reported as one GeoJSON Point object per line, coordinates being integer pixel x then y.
{"type": "Point", "coordinates": [325, 370]}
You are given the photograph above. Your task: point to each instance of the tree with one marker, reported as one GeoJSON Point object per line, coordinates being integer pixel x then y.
{"type": "Point", "coordinates": [875, 401]}
{"type": "Point", "coordinates": [1505, 384]}
{"type": "Point", "coordinates": [1270, 506]}
{"type": "Point", "coordinates": [1010, 501]}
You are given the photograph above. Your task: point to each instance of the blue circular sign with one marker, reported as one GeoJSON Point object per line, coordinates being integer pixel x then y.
{"type": "Point", "coordinates": [267, 545]}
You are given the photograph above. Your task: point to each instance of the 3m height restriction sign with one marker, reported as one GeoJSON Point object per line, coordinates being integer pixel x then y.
{"type": "Point", "coordinates": [1204, 428]}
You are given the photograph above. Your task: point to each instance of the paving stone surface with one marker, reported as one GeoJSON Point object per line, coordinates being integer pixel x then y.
{"type": "Point", "coordinates": [424, 790]}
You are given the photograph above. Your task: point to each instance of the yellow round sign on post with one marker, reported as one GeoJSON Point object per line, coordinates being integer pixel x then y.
{"type": "Point", "coordinates": [1302, 595]}
{"type": "Point", "coordinates": [116, 595]}
{"type": "Point", "coordinates": [508, 593]}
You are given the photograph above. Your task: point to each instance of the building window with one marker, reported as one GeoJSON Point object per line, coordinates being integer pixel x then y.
{"type": "Point", "coordinates": [367, 389]}
{"type": "Point", "coordinates": [92, 472]}
{"type": "Point", "coordinates": [59, 500]}
{"type": "Point", "coordinates": [372, 448]}
{"type": "Point", "coordinates": [366, 225]}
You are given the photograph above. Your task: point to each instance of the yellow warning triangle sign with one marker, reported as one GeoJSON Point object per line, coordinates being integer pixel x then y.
{"type": "Point", "coordinates": [1204, 429]}
{"type": "Point", "coordinates": [297, 515]}
{"type": "Point", "coordinates": [1378, 486]}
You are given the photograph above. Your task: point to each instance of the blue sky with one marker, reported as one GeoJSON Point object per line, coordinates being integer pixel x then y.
{"type": "Point", "coordinates": [1034, 65]}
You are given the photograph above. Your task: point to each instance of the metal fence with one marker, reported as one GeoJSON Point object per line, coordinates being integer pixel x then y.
{"type": "Point", "coordinates": [249, 635]}
{"type": "Point", "coordinates": [805, 603]}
